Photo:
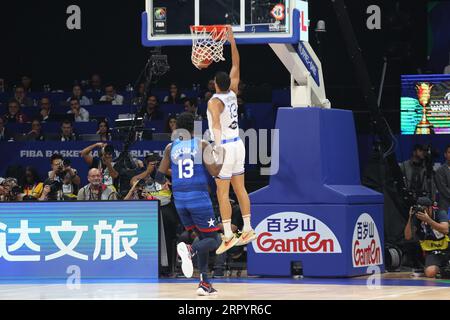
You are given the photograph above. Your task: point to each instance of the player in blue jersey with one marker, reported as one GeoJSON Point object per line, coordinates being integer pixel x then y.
{"type": "Point", "coordinates": [191, 160]}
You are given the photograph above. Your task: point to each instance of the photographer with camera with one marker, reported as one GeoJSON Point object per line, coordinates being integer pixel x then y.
{"type": "Point", "coordinates": [138, 192]}
{"type": "Point", "coordinates": [96, 190]}
{"type": "Point", "coordinates": [104, 162]}
{"type": "Point", "coordinates": [9, 190]}
{"type": "Point", "coordinates": [145, 187]}
{"type": "Point", "coordinates": [62, 182]}
{"type": "Point", "coordinates": [430, 225]}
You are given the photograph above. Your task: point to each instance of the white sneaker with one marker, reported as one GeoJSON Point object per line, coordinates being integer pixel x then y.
{"type": "Point", "coordinates": [227, 244]}
{"type": "Point", "coordinates": [247, 237]}
{"type": "Point", "coordinates": [184, 251]}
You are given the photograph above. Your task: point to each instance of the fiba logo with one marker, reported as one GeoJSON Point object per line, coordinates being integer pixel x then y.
{"type": "Point", "coordinates": [160, 14]}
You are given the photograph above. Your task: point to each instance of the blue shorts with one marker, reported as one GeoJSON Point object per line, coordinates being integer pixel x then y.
{"type": "Point", "coordinates": [196, 211]}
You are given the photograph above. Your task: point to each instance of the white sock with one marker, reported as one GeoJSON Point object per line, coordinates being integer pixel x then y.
{"type": "Point", "coordinates": [227, 229]}
{"type": "Point", "coordinates": [247, 225]}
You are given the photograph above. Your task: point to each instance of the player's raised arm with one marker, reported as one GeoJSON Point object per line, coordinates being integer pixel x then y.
{"type": "Point", "coordinates": [236, 61]}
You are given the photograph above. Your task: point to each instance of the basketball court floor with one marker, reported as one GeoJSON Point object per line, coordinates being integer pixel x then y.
{"type": "Point", "coordinates": [392, 286]}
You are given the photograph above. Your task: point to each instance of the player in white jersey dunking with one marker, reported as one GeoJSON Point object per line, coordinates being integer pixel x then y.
{"type": "Point", "coordinates": [223, 126]}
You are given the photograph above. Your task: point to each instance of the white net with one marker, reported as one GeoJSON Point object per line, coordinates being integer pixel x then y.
{"type": "Point", "coordinates": [207, 45]}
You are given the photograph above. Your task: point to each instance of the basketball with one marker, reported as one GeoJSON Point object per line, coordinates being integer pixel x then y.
{"type": "Point", "coordinates": [199, 55]}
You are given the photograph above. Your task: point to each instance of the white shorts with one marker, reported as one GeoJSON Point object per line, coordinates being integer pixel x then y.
{"type": "Point", "coordinates": [233, 164]}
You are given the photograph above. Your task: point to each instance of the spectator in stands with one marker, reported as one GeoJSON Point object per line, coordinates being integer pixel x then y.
{"type": "Point", "coordinates": [174, 97]}
{"type": "Point", "coordinates": [152, 111]}
{"type": "Point", "coordinates": [111, 96]}
{"type": "Point", "coordinates": [171, 124]}
{"type": "Point", "coordinates": [14, 115]}
{"type": "Point", "coordinates": [80, 113]}
{"type": "Point", "coordinates": [137, 100]}
{"type": "Point", "coordinates": [210, 90]}
{"type": "Point", "coordinates": [36, 132]}
{"type": "Point", "coordinates": [70, 185]}
{"type": "Point", "coordinates": [62, 182]}
{"type": "Point", "coordinates": [77, 93]}
{"type": "Point", "coordinates": [2, 85]}
{"type": "Point", "coordinates": [45, 105]}
{"type": "Point", "coordinates": [95, 84]}
{"type": "Point", "coordinates": [21, 96]}
{"type": "Point", "coordinates": [148, 188]}
{"type": "Point", "coordinates": [190, 105]}
{"type": "Point", "coordinates": [67, 133]}
{"type": "Point", "coordinates": [442, 179]}
{"type": "Point", "coordinates": [104, 161]}
{"type": "Point", "coordinates": [26, 83]}
{"type": "Point", "coordinates": [96, 190]}
{"type": "Point", "coordinates": [32, 185]}
{"type": "Point", "coordinates": [4, 134]}
{"type": "Point", "coordinates": [103, 131]}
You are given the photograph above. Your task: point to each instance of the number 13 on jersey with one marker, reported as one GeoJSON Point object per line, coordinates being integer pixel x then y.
{"type": "Point", "coordinates": [185, 168]}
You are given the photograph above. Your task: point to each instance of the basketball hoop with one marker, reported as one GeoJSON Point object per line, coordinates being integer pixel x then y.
{"type": "Point", "coordinates": [207, 44]}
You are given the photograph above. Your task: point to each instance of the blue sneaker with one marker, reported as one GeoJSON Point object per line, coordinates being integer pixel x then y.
{"type": "Point", "coordinates": [206, 289]}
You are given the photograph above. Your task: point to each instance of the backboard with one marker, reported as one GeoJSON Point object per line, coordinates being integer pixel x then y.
{"type": "Point", "coordinates": [167, 23]}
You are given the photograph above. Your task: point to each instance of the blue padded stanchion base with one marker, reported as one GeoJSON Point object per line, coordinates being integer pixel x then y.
{"type": "Point", "coordinates": [315, 212]}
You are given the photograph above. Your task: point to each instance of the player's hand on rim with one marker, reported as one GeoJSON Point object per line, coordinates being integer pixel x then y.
{"type": "Point", "coordinates": [230, 33]}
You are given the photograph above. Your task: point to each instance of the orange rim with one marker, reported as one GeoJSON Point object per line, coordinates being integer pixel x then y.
{"type": "Point", "coordinates": [209, 28]}
{"type": "Point", "coordinates": [216, 30]}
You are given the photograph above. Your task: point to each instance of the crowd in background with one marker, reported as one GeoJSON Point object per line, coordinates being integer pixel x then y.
{"type": "Point", "coordinates": [20, 108]}
{"type": "Point", "coordinates": [107, 179]}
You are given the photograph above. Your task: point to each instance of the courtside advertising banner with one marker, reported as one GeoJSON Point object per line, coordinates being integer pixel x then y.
{"type": "Point", "coordinates": [106, 240]}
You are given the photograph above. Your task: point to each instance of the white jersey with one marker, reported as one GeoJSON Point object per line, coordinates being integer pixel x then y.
{"type": "Point", "coordinates": [228, 117]}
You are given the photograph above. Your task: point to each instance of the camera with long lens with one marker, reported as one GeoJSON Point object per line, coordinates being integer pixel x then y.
{"type": "Point", "coordinates": [15, 191]}
{"type": "Point", "coordinates": [418, 208]}
{"type": "Point", "coordinates": [55, 186]}
{"type": "Point", "coordinates": [422, 205]}
{"type": "Point", "coordinates": [140, 188]}
{"type": "Point", "coordinates": [12, 189]}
